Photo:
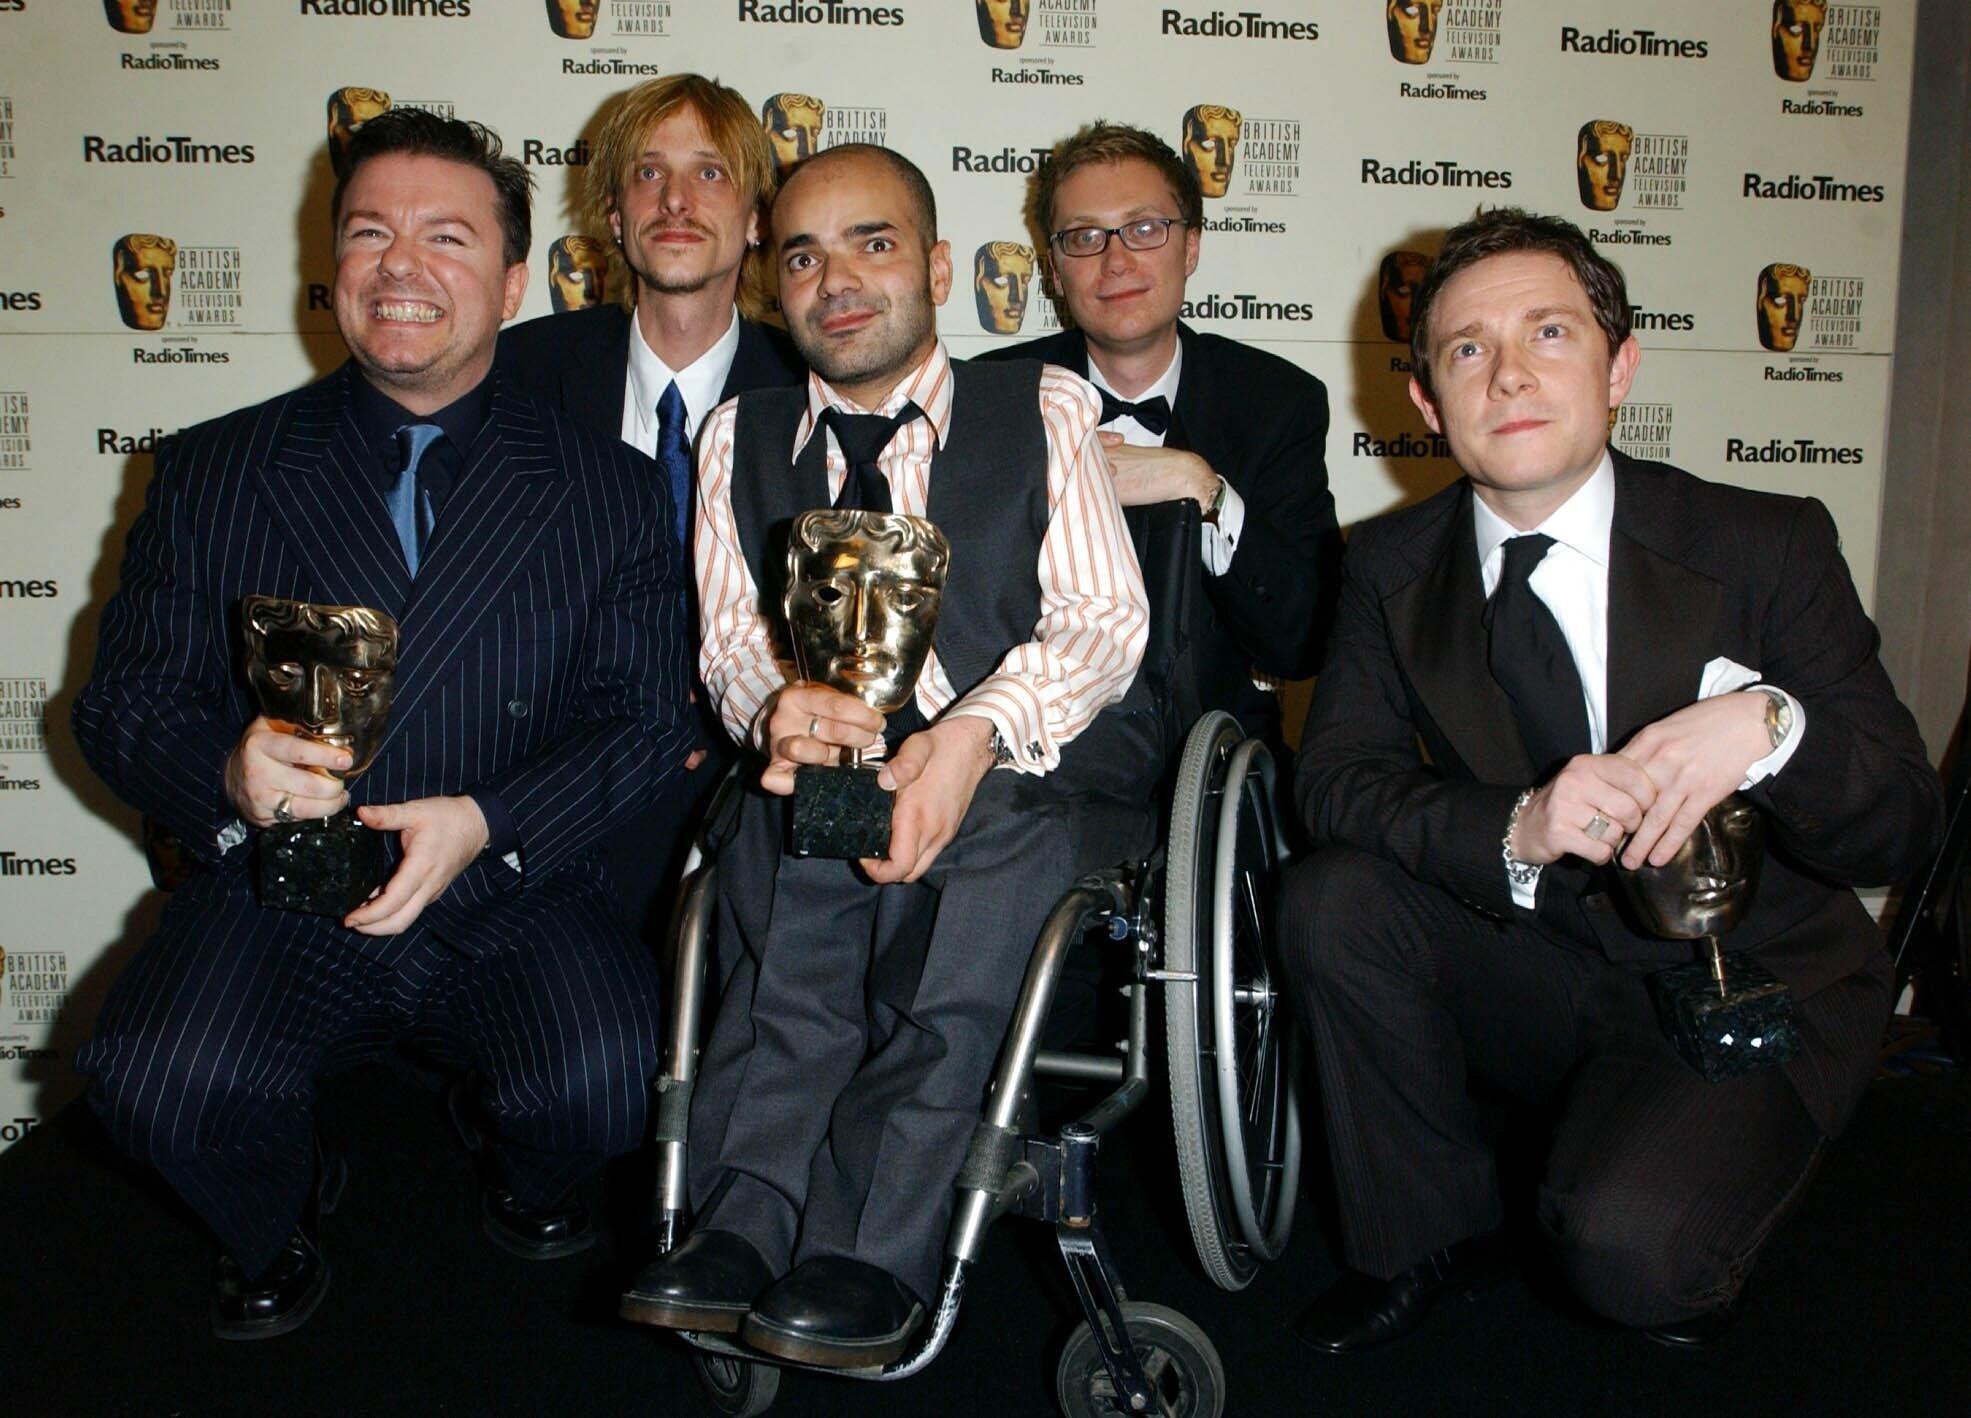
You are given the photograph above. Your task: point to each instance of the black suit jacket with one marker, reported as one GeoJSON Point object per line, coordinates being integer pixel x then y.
{"type": "Point", "coordinates": [543, 651]}
{"type": "Point", "coordinates": [1261, 423]}
{"type": "Point", "coordinates": [1410, 749]}
{"type": "Point", "coordinates": [579, 361]}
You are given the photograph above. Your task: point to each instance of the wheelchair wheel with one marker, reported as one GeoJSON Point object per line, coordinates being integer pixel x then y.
{"type": "Point", "coordinates": [1231, 1047]}
{"type": "Point", "coordinates": [736, 1387]}
{"type": "Point", "coordinates": [1184, 1370]}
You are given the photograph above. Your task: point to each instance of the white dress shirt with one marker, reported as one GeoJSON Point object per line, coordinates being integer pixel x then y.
{"type": "Point", "coordinates": [1220, 541]}
{"type": "Point", "coordinates": [700, 383]}
{"type": "Point", "coordinates": [1572, 582]}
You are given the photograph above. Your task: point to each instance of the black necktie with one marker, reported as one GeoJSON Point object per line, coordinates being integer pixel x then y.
{"type": "Point", "coordinates": [863, 437]}
{"type": "Point", "coordinates": [1153, 414]}
{"type": "Point", "coordinates": [1531, 661]}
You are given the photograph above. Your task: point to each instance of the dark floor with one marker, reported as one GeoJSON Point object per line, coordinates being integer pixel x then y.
{"type": "Point", "coordinates": [1862, 1304]}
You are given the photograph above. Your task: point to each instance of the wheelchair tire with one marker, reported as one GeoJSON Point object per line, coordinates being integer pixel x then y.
{"type": "Point", "coordinates": [1182, 1365]}
{"type": "Point", "coordinates": [1234, 1110]}
{"type": "Point", "coordinates": [737, 1388]}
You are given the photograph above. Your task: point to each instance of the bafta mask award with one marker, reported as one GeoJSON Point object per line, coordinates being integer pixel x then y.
{"type": "Point", "coordinates": [327, 674]}
{"type": "Point", "coordinates": [862, 603]}
{"type": "Point", "coordinates": [1726, 1014]}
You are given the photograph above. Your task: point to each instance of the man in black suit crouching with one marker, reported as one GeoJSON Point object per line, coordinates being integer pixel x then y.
{"type": "Point", "coordinates": [1568, 655]}
{"type": "Point", "coordinates": [540, 692]}
{"type": "Point", "coordinates": [681, 177]}
{"type": "Point", "coordinates": [1192, 415]}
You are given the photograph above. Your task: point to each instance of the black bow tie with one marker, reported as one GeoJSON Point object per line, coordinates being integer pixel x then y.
{"type": "Point", "coordinates": [1153, 414]}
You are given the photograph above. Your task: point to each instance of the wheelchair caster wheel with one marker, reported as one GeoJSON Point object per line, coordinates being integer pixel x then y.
{"type": "Point", "coordinates": [1187, 1379]}
{"type": "Point", "coordinates": [736, 1388]}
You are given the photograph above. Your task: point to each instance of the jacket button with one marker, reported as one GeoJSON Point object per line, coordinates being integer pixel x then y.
{"type": "Point", "coordinates": [517, 708]}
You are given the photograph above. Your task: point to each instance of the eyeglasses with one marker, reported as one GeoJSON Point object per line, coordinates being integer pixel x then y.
{"type": "Point", "coordinates": [1143, 234]}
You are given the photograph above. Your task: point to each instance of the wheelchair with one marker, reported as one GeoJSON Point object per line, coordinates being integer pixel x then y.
{"type": "Point", "coordinates": [1189, 925]}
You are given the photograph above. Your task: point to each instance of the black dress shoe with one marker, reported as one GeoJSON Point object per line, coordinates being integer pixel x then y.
{"type": "Point", "coordinates": [706, 1284]}
{"type": "Point", "coordinates": [1697, 1332]}
{"type": "Point", "coordinates": [283, 1295]}
{"type": "Point", "coordinates": [1359, 1312]}
{"type": "Point", "coordinates": [837, 1313]}
{"type": "Point", "coordinates": [531, 1232]}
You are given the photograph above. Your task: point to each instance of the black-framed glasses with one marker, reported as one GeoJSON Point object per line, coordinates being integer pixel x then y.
{"type": "Point", "coordinates": [1143, 234]}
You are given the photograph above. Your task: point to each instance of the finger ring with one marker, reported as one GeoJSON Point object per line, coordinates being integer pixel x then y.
{"type": "Point", "coordinates": [814, 725]}
{"type": "Point", "coordinates": [282, 806]}
{"type": "Point", "coordinates": [1597, 826]}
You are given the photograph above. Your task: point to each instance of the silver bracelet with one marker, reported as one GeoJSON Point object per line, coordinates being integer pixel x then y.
{"type": "Point", "coordinates": [1517, 872]}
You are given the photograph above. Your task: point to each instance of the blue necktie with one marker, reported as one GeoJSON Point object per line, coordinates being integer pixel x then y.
{"type": "Point", "coordinates": [410, 513]}
{"type": "Point", "coordinates": [674, 454]}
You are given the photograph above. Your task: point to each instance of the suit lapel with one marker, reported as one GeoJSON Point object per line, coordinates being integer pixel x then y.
{"type": "Point", "coordinates": [1440, 641]}
{"type": "Point", "coordinates": [506, 495]}
{"type": "Point", "coordinates": [754, 364]}
{"type": "Point", "coordinates": [1199, 412]}
{"type": "Point", "coordinates": [1663, 624]}
{"type": "Point", "coordinates": [324, 498]}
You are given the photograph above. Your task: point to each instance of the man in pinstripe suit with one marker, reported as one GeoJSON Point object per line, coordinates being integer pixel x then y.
{"type": "Point", "coordinates": [540, 697]}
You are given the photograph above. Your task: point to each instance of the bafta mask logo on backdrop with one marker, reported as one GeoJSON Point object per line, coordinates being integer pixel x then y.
{"type": "Point", "coordinates": [348, 110]}
{"type": "Point", "coordinates": [1412, 27]}
{"type": "Point", "coordinates": [578, 272]}
{"type": "Point", "coordinates": [1797, 26]}
{"type": "Point", "coordinates": [1601, 162]}
{"type": "Point", "coordinates": [142, 266]}
{"type": "Point", "coordinates": [1003, 23]}
{"type": "Point", "coordinates": [793, 128]}
{"type": "Point", "coordinates": [1782, 304]}
{"type": "Point", "coordinates": [1002, 282]}
{"type": "Point", "coordinates": [1211, 144]}
{"type": "Point", "coordinates": [1397, 280]}
{"type": "Point", "coordinates": [130, 16]}
{"type": "Point", "coordinates": [573, 19]}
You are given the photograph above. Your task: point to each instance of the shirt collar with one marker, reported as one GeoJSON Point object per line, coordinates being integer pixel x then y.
{"type": "Point", "coordinates": [928, 386]}
{"type": "Point", "coordinates": [1582, 522]}
{"type": "Point", "coordinates": [378, 417]}
{"type": "Point", "coordinates": [699, 383]}
{"type": "Point", "coordinates": [1166, 383]}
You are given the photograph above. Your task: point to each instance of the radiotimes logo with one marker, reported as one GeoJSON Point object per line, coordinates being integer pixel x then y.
{"type": "Point", "coordinates": [23, 714]}
{"type": "Point", "coordinates": [180, 17]}
{"type": "Point", "coordinates": [1245, 306]}
{"type": "Point", "coordinates": [178, 148]}
{"type": "Point", "coordinates": [389, 9]}
{"type": "Point", "coordinates": [18, 865]}
{"type": "Point", "coordinates": [1002, 284]}
{"type": "Point", "coordinates": [350, 107]}
{"type": "Point", "coordinates": [1217, 141]}
{"type": "Point", "coordinates": [1792, 450]}
{"type": "Point", "coordinates": [1634, 43]}
{"type": "Point", "coordinates": [1437, 172]}
{"type": "Point", "coordinates": [577, 19]}
{"type": "Point", "coordinates": [193, 287]}
{"type": "Point", "coordinates": [1237, 24]}
{"type": "Point", "coordinates": [36, 984]}
{"type": "Point", "coordinates": [1796, 309]}
{"type": "Point", "coordinates": [1797, 188]}
{"type": "Point", "coordinates": [1447, 34]}
{"type": "Point", "coordinates": [818, 12]}
{"type": "Point", "coordinates": [578, 272]}
{"type": "Point", "coordinates": [16, 440]}
{"type": "Point", "coordinates": [800, 125]}
{"type": "Point", "coordinates": [1642, 430]}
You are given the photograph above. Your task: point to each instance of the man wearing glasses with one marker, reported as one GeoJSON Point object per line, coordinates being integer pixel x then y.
{"type": "Point", "coordinates": [1192, 415]}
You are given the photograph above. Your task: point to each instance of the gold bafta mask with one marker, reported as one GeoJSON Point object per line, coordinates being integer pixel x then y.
{"type": "Point", "coordinates": [143, 265]}
{"type": "Point", "coordinates": [572, 19]}
{"type": "Point", "coordinates": [1707, 888]}
{"type": "Point", "coordinates": [1782, 304]}
{"type": "Point", "coordinates": [793, 128]}
{"type": "Point", "coordinates": [131, 16]}
{"type": "Point", "coordinates": [1412, 27]}
{"type": "Point", "coordinates": [1002, 279]}
{"type": "Point", "coordinates": [578, 272]}
{"type": "Point", "coordinates": [1796, 37]}
{"type": "Point", "coordinates": [1211, 141]}
{"type": "Point", "coordinates": [1396, 291]}
{"type": "Point", "coordinates": [348, 110]}
{"type": "Point", "coordinates": [1003, 23]}
{"type": "Point", "coordinates": [863, 590]}
{"type": "Point", "coordinates": [326, 673]}
{"type": "Point", "coordinates": [1601, 162]}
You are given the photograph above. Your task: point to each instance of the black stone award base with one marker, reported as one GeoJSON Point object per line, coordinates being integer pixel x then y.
{"type": "Point", "coordinates": [324, 867]}
{"type": "Point", "coordinates": [1724, 1031]}
{"type": "Point", "coordinates": [839, 813]}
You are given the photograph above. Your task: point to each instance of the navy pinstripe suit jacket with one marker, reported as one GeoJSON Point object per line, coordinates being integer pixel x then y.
{"type": "Point", "coordinates": [543, 653]}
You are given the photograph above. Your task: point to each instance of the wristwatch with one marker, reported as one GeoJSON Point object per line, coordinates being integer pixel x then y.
{"type": "Point", "coordinates": [1217, 503]}
{"type": "Point", "coordinates": [1779, 715]}
{"type": "Point", "coordinates": [1002, 756]}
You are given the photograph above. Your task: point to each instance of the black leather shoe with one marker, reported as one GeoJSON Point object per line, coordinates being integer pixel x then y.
{"type": "Point", "coordinates": [1359, 1312]}
{"type": "Point", "coordinates": [530, 1232]}
{"type": "Point", "coordinates": [835, 1312]}
{"type": "Point", "coordinates": [1697, 1332]}
{"type": "Point", "coordinates": [282, 1296]}
{"type": "Point", "coordinates": [706, 1284]}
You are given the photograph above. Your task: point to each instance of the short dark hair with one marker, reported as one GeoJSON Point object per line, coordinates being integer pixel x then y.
{"type": "Point", "coordinates": [1503, 231]}
{"type": "Point", "coordinates": [918, 186]}
{"type": "Point", "coordinates": [1105, 142]}
{"type": "Point", "coordinates": [418, 132]}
